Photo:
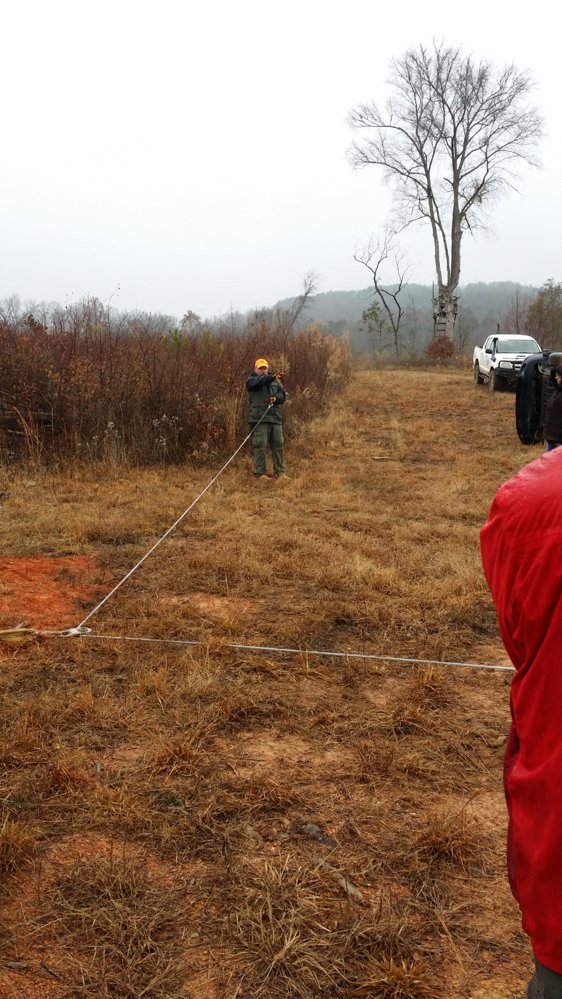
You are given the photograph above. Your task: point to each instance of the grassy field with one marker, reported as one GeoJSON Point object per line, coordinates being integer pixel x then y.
{"type": "Point", "coordinates": [214, 823]}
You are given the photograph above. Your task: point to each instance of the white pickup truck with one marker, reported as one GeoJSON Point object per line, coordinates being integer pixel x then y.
{"type": "Point", "coordinates": [499, 361]}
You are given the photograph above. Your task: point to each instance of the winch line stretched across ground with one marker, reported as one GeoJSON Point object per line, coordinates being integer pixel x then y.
{"type": "Point", "coordinates": [321, 653]}
{"type": "Point", "coordinates": [170, 529]}
{"type": "Point", "coordinates": [81, 631]}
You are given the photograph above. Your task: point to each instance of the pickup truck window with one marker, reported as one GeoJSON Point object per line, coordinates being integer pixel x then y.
{"type": "Point", "coordinates": [518, 347]}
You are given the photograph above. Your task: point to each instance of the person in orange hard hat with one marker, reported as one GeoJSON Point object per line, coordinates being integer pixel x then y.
{"type": "Point", "coordinates": [266, 395]}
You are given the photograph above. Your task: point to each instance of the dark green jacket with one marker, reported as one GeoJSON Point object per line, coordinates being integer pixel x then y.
{"type": "Point", "coordinates": [260, 388]}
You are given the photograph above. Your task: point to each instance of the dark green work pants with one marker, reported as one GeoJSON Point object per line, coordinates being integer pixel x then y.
{"type": "Point", "coordinates": [268, 434]}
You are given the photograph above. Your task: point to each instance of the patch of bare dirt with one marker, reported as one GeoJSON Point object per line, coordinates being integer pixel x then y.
{"type": "Point", "coordinates": [48, 592]}
{"type": "Point", "coordinates": [383, 697]}
{"type": "Point", "coordinates": [490, 811]}
{"type": "Point", "coordinates": [30, 979]}
{"type": "Point", "coordinates": [122, 758]}
{"type": "Point", "coordinates": [490, 990]}
{"type": "Point", "coordinates": [216, 608]}
{"type": "Point", "coordinates": [270, 751]}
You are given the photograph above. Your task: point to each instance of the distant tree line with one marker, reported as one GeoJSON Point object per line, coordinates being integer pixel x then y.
{"type": "Point", "coordinates": [90, 383]}
{"type": "Point", "coordinates": [481, 309]}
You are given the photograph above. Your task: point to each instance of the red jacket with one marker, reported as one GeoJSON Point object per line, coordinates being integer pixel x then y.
{"type": "Point", "coordinates": [522, 556]}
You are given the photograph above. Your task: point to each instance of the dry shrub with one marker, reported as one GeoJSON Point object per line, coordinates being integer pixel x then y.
{"type": "Point", "coordinates": [113, 388]}
{"type": "Point", "coordinates": [127, 927]}
{"type": "Point", "coordinates": [428, 690]}
{"type": "Point", "coordinates": [153, 815]}
{"type": "Point", "coordinates": [265, 795]}
{"type": "Point", "coordinates": [200, 678]}
{"type": "Point", "coordinates": [67, 771]}
{"type": "Point", "coordinates": [242, 710]}
{"type": "Point", "coordinates": [6, 940]}
{"type": "Point", "coordinates": [408, 717]}
{"type": "Point", "coordinates": [441, 348]}
{"type": "Point", "coordinates": [431, 685]}
{"type": "Point", "coordinates": [19, 744]}
{"type": "Point", "coordinates": [388, 978]}
{"type": "Point", "coordinates": [376, 759]}
{"type": "Point", "coordinates": [180, 757]}
{"type": "Point", "coordinates": [301, 939]}
{"type": "Point", "coordinates": [29, 729]}
{"type": "Point", "coordinates": [153, 683]}
{"type": "Point", "coordinates": [450, 840]}
{"type": "Point", "coordinates": [285, 925]}
{"type": "Point", "coordinates": [429, 858]}
{"type": "Point", "coordinates": [418, 763]}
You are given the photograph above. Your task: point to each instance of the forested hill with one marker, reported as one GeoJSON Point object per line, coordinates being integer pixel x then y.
{"type": "Point", "coordinates": [484, 305]}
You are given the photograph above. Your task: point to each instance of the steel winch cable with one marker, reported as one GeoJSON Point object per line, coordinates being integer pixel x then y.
{"type": "Point", "coordinates": [118, 585]}
{"type": "Point", "coordinates": [81, 631]}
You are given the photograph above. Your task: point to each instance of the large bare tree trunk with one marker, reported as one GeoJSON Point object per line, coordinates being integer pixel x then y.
{"type": "Point", "coordinates": [444, 313]}
{"type": "Point", "coordinates": [448, 140]}
{"type": "Point", "coordinates": [451, 315]}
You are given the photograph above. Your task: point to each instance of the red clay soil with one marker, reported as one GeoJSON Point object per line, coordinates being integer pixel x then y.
{"type": "Point", "coordinates": [48, 592]}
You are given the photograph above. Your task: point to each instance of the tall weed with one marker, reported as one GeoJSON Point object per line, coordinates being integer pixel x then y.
{"type": "Point", "coordinates": [90, 383]}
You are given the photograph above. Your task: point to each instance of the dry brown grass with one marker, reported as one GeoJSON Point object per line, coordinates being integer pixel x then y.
{"type": "Point", "coordinates": [17, 843]}
{"type": "Point", "coordinates": [285, 925]}
{"type": "Point", "coordinates": [259, 785]}
{"type": "Point", "coordinates": [121, 931]}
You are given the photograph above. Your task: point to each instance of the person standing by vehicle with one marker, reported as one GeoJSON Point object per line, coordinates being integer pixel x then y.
{"type": "Point", "coordinates": [553, 416]}
{"type": "Point", "coordinates": [521, 543]}
{"type": "Point", "coordinates": [266, 395]}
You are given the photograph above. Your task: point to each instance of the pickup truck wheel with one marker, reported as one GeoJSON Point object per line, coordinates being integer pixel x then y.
{"type": "Point", "coordinates": [477, 376]}
{"type": "Point", "coordinates": [493, 382]}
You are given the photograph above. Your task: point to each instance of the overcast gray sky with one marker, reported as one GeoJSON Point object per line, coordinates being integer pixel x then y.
{"type": "Point", "coordinates": [177, 155]}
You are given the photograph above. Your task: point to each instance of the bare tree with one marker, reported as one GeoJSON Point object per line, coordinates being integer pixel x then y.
{"type": "Point", "coordinates": [11, 310]}
{"type": "Point", "coordinates": [191, 323]}
{"type": "Point", "coordinates": [373, 257]}
{"type": "Point", "coordinates": [544, 315]}
{"type": "Point", "coordinates": [449, 140]}
{"type": "Point", "coordinates": [514, 320]}
{"type": "Point", "coordinates": [290, 316]}
{"type": "Point", "coordinates": [376, 326]}
{"type": "Point", "coordinates": [466, 325]}
{"type": "Point", "coordinates": [413, 324]}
